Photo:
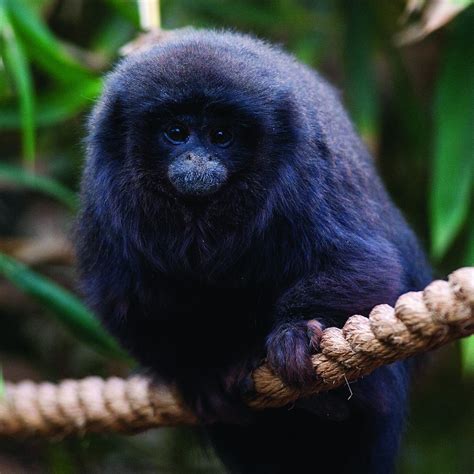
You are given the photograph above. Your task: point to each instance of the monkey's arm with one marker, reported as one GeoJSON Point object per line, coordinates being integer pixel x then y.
{"type": "Point", "coordinates": [376, 403]}
{"type": "Point", "coordinates": [353, 283]}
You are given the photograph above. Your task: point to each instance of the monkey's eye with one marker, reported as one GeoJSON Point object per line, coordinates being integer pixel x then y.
{"type": "Point", "coordinates": [221, 137]}
{"type": "Point", "coordinates": [177, 134]}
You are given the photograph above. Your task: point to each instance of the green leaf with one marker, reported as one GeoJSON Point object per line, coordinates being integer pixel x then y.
{"type": "Point", "coordinates": [453, 167]}
{"type": "Point", "coordinates": [60, 460]}
{"type": "Point", "coordinates": [127, 10]}
{"type": "Point", "coordinates": [114, 34]}
{"type": "Point", "coordinates": [22, 177]}
{"type": "Point", "coordinates": [360, 81]}
{"type": "Point", "coordinates": [467, 355]}
{"type": "Point", "coordinates": [470, 241]}
{"type": "Point", "coordinates": [63, 304]}
{"type": "Point", "coordinates": [462, 3]}
{"type": "Point", "coordinates": [40, 5]}
{"type": "Point", "coordinates": [17, 65]}
{"type": "Point", "coordinates": [56, 106]}
{"type": "Point", "coordinates": [42, 46]}
{"type": "Point", "coordinates": [5, 89]}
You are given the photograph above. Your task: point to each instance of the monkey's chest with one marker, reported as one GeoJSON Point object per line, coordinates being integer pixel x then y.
{"type": "Point", "coordinates": [206, 322]}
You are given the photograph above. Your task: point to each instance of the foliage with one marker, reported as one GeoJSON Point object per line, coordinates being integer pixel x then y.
{"type": "Point", "coordinates": [453, 167]}
{"type": "Point", "coordinates": [22, 177]}
{"type": "Point", "coordinates": [15, 61]}
{"type": "Point", "coordinates": [72, 312]}
{"type": "Point", "coordinates": [413, 104]}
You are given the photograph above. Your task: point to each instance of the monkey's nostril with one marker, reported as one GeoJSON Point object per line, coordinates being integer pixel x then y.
{"type": "Point", "coordinates": [189, 157]}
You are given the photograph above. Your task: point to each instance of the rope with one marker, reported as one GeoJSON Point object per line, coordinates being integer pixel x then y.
{"type": "Point", "coordinates": [420, 321]}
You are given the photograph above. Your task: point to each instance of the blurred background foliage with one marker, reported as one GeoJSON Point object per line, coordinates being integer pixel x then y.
{"type": "Point", "coordinates": [406, 72]}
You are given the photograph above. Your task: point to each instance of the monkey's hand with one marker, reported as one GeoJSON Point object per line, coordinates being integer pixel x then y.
{"type": "Point", "coordinates": [289, 349]}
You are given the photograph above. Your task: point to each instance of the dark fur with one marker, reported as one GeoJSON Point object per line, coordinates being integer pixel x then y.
{"type": "Point", "coordinates": [201, 289]}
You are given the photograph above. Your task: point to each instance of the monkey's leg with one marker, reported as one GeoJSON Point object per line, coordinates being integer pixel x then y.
{"type": "Point", "coordinates": [292, 440]}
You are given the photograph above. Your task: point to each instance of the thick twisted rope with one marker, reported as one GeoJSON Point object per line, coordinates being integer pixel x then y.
{"type": "Point", "coordinates": [420, 321]}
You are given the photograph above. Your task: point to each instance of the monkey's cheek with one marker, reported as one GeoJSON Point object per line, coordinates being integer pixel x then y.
{"type": "Point", "coordinates": [197, 181]}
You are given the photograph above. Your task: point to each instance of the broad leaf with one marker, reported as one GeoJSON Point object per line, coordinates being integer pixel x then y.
{"type": "Point", "coordinates": [453, 167]}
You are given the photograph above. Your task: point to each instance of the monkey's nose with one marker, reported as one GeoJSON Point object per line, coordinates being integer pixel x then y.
{"type": "Point", "coordinates": [197, 174]}
{"type": "Point", "coordinates": [198, 158]}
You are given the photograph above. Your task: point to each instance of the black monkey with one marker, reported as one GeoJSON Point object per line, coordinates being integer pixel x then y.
{"type": "Point", "coordinates": [229, 213]}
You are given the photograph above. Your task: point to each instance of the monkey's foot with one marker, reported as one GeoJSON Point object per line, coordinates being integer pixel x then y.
{"type": "Point", "coordinates": [289, 350]}
{"type": "Point", "coordinates": [218, 407]}
{"type": "Point", "coordinates": [220, 397]}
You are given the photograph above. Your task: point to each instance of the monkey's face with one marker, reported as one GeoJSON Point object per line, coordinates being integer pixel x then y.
{"type": "Point", "coordinates": [197, 156]}
{"type": "Point", "coordinates": [190, 147]}
{"type": "Point", "coordinates": [199, 152]}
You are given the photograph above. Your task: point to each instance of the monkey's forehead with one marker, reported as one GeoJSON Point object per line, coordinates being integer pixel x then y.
{"type": "Point", "coordinates": [225, 68]}
{"type": "Point", "coordinates": [208, 62]}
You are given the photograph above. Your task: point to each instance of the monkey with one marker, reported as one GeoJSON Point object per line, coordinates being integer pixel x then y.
{"type": "Point", "coordinates": [229, 213]}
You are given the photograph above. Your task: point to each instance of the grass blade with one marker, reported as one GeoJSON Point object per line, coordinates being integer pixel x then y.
{"type": "Point", "coordinates": [55, 107]}
{"type": "Point", "coordinates": [67, 308]}
{"type": "Point", "coordinates": [25, 178]}
{"type": "Point", "coordinates": [470, 242]}
{"type": "Point", "coordinates": [18, 67]}
{"type": "Point", "coordinates": [467, 355]}
{"type": "Point", "coordinates": [42, 46]}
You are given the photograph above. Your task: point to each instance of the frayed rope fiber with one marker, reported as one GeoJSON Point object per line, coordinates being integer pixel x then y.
{"type": "Point", "coordinates": [420, 321]}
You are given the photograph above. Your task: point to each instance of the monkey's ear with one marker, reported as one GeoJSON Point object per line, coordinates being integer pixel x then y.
{"type": "Point", "coordinates": [287, 116]}
{"type": "Point", "coordinates": [107, 128]}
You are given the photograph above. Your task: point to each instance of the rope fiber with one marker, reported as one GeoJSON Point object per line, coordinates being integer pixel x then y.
{"type": "Point", "coordinates": [420, 321]}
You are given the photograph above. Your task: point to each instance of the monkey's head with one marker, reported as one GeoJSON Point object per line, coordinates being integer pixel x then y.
{"type": "Point", "coordinates": [191, 118]}
{"type": "Point", "coordinates": [218, 138]}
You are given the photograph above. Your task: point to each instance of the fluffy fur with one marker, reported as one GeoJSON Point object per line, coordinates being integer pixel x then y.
{"type": "Point", "coordinates": [300, 235]}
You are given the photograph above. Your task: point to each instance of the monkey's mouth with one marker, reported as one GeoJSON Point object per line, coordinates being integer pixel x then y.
{"type": "Point", "coordinates": [193, 179]}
